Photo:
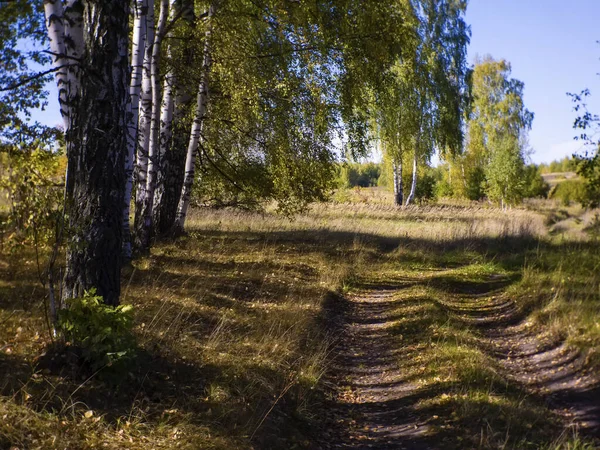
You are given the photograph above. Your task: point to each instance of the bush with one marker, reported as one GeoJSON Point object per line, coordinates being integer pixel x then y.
{"type": "Point", "coordinates": [426, 186]}
{"type": "Point", "coordinates": [534, 184]}
{"type": "Point", "coordinates": [101, 332]}
{"type": "Point", "coordinates": [569, 191]}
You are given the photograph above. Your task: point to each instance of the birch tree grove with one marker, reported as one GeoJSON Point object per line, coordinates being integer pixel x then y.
{"type": "Point", "coordinates": [287, 81]}
{"type": "Point", "coordinates": [177, 99]}
{"type": "Point", "coordinates": [95, 36]}
{"type": "Point", "coordinates": [143, 212]}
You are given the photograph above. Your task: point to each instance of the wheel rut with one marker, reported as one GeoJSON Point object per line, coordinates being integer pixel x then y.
{"type": "Point", "coordinates": [538, 360]}
{"type": "Point", "coordinates": [375, 402]}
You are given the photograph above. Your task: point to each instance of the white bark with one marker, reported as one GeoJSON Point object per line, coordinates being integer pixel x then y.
{"type": "Point", "coordinates": [413, 186]}
{"type": "Point", "coordinates": [144, 227]}
{"type": "Point", "coordinates": [200, 112]}
{"type": "Point", "coordinates": [145, 114]}
{"type": "Point", "coordinates": [165, 133]}
{"type": "Point", "coordinates": [137, 54]}
{"type": "Point", "coordinates": [397, 174]}
{"type": "Point", "coordinates": [74, 45]}
{"type": "Point", "coordinates": [168, 102]}
{"type": "Point", "coordinates": [53, 10]}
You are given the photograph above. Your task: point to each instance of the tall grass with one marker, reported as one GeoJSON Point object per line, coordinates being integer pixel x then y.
{"type": "Point", "coordinates": [232, 321]}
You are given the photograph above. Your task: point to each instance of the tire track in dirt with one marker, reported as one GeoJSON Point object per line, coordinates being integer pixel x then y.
{"type": "Point", "coordinates": [375, 402]}
{"type": "Point", "coordinates": [541, 362]}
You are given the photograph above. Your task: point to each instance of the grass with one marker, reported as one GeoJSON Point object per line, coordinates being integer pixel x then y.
{"type": "Point", "coordinates": [233, 327]}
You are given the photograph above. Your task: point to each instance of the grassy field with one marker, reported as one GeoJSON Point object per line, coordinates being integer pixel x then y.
{"type": "Point", "coordinates": [233, 323]}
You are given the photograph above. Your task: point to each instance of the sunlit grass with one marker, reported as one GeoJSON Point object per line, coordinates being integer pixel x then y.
{"type": "Point", "coordinates": [231, 321]}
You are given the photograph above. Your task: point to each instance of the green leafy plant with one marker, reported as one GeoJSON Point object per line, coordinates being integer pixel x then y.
{"type": "Point", "coordinates": [101, 332]}
{"type": "Point", "coordinates": [31, 184]}
{"type": "Point", "coordinates": [569, 191]}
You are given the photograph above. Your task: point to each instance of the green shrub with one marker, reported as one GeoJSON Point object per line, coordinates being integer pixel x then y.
{"type": "Point", "coordinates": [534, 184]}
{"type": "Point", "coordinates": [569, 191]}
{"type": "Point", "coordinates": [426, 186]}
{"type": "Point", "coordinates": [101, 332]}
{"type": "Point", "coordinates": [31, 184]}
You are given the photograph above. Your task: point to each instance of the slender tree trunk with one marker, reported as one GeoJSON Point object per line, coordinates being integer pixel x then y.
{"type": "Point", "coordinates": [96, 148]}
{"type": "Point", "coordinates": [200, 112]}
{"type": "Point", "coordinates": [165, 143]}
{"type": "Point", "coordinates": [74, 43]}
{"type": "Point", "coordinates": [54, 13]}
{"type": "Point", "coordinates": [137, 58]}
{"type": "Point", "coordinates": [143, 216]}
{"type": "Point", "coordinates": [176, 105]}
{"type": "Point", "coordinates": [413, 186]}
{"type": "Point", "coordinates": [398, 191]}
{"type": "Point", "coordinates": [145, 116]}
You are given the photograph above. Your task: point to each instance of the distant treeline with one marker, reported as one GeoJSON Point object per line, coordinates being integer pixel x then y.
{"type": "Point", "coordinates": [447, 181]}
{"type": "Point", "coordinates": [567, 164]}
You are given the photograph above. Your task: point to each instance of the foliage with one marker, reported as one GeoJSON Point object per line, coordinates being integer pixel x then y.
{"type": "Point", "coordinates": [493, 164]}
{"type": "Point", "coordinates": [570, 191]}
{"type": "Point", "coordinates": [31, 180]}
{"type": "Point", "coordinates": [22, 85]}
{"type": "Point", "coordinates": [101, 332]}
{"type": "Point", "coordinates": [566, 164]}
{"type": "Point", "coordinates": [422, 106]}
{"type": "Point", "coordinates": [359, 174]}
{"type": "Point", "coordinates": [589, 168]}
{"type": "Point", "coordinates": [534, 184]}
{"type": "Point", "coordinates": [504, 173]}
{"type": "Point", "coordinates": [588, 163]}
{"type": "Point", "coordinates": [426, 184]}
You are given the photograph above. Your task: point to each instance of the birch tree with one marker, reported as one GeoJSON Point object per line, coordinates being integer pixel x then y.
{"type": "Point", "coordinates": [138, 46]}
{"type": "Point", "coordinates": [145, 114]}
{"type": "Point", "coordinates": [497, 130]}
{"type": "Point", "coordinates": [195, 133]}
{"type": "Point", "coordinates": [177, 98]}
{"type": "Point", "coordinates": [422, 105]}
{"type": "Point", "coordinates": [95, 35]}
{"type": "Point", "coordinates": [143, 212]}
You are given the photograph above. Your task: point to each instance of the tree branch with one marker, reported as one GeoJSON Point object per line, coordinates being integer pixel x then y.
{"type": "Point", "coordinates": [27, 80]}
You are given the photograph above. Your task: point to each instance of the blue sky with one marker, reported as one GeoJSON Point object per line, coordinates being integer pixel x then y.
{"type": "Point", "coordinates": [552, 46]}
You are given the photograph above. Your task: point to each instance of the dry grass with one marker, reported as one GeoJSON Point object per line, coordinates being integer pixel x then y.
{"type": "Point", "coordinates": [232, 322]}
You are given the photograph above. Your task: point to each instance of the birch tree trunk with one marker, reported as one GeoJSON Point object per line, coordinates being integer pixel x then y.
{"type": "Point", "coordinates": [54, 12]}
{"type": "Point", "coordinates": [96, 144]}
{"type": "Point", "coordinates": [137, 58]}
{"type": "Point", "coordinates": [143, 215]}
{"type": "Point", "coordinates": [397, 173]}
{"type": "Point", "coordinates": [173, 143]}
{"type": "Point", "coordinates": [145, 115]}
{"type": "Point", "coordinates": [413, 186]}
{"type": "Point", "coordinates": [199, 114]}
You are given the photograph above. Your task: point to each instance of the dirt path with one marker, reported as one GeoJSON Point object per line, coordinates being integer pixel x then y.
{"type": "Point", "coordinates": [379, 400]}
{"type": "Point", "coordinates": [374, 405]}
